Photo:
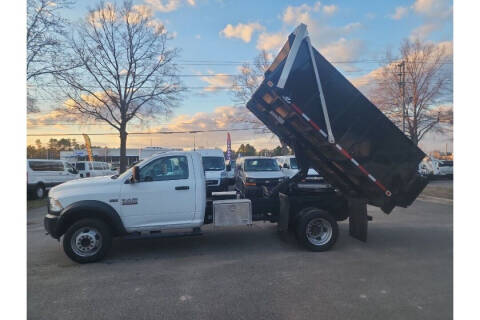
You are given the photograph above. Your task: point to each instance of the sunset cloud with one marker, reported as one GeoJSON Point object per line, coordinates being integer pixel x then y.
{"type": "Point", "coordinates": [168, 5]}
{"type": "Point", "coordinates": [217, 81]}
{"type": "Point", "coordinates": [241, 31]}
{"type": "Point", "coordinates": [400, 13]}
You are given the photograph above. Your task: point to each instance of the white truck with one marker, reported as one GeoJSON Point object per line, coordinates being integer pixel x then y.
{"type": "Point", "coordinates": [167, 193]}
{"type": "Point", "coordinates": [320, 121]}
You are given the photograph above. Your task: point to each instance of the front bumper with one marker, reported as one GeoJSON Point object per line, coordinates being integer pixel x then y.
{"type": "Point", "coordinates": [218, 186]}
{"type": "Point", "coordinates": [50, 223]}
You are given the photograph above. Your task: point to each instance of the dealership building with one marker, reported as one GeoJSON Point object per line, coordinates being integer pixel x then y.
{"type": "Point", "coordinates": [112, 155]}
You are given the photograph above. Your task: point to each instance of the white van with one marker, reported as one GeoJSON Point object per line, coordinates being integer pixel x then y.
{"type": "Point", "coordinates": [435, 168]}
{"type": "Point", "coordinates": [88, 169]}
{"type": "Point", "coordinates": [253, 173]}
{"type": "Point", "coordinates": [214, 166]}
{"type": "Point", "coordinates": [43, 174]}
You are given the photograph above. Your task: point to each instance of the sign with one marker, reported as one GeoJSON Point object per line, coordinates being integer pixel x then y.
{"type": "Point", "coordinates": [229, 147]}
{"type": "Point", "coordinates": [89, 146]}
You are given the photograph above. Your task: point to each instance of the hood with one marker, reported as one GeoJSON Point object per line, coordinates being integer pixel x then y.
{"type": "Point", "coordinates": [264, 174]}
{"type": "Point", "coordinates": [82, 184]}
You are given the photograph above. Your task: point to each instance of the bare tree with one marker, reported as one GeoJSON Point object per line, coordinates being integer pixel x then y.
{"type": "Point", "coordinates": [45, 30]}
{"type": "Point", "coordinates": [246, 83]}
{"type": "Point", "coordinates": [421, 79]}
{"type": "Point", "coordinates": [125, 68]}
{"type": "Point", "coordinates": [45, 27]}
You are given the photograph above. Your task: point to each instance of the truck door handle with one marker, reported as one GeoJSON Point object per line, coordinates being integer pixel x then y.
{"type": "Point", "coordinates": [182, 188]}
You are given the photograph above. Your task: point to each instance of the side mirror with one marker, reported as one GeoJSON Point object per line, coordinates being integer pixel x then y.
{"type": "Point", "coordinates": [135, 174]}
{"type": "Point", "coordinates": [285, 166]}
{"type": "Point", "coordinates": [229, 167]}
{"type": "Point", "coordinates": [72, 171]}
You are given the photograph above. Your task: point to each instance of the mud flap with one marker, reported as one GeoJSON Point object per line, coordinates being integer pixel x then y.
{"type": "Point", "coordinates": [284, 213]}
{"type": "Point", "coordinates": [358, 219]}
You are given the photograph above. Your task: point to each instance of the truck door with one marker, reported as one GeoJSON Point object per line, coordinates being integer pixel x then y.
{"type": "Point", "coordinates": [165, 194]}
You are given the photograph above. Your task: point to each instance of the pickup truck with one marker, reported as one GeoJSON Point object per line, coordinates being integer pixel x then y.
{"type": "Point", "coordinates": [311, 107]}
{"type": "Point", "coordinates": [167, 192]}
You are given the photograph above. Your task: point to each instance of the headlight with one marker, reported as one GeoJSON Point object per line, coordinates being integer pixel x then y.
{"type": "Point", "coordinates": [55, 205]}
{"type": "Point", "coordinates": [223, 174]}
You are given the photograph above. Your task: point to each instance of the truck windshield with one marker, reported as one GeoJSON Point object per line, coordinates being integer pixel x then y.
{"type": "Point", "coordinates": [261, 165]}
{"type": "Point", "coordinates": [293, 163]}
{"type": "Point", "coordinates": [80, 166]}
{"type": "Point", "coordinates": [213, 163]}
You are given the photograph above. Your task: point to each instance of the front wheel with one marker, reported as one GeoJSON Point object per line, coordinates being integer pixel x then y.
{"type": "Point", "coordinates": [87, 240]}
{"type": "Point", "coordinates": [317, 230]}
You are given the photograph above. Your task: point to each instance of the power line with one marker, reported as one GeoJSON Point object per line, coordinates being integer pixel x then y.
{"type": "Point", "coordinates": [143, 133]}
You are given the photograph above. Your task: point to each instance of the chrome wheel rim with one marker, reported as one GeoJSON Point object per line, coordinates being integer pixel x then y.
{"type": "Point", "coordinates": [40, 192]}
{"type": "Point", "coordinates": [319, 231]}
{"type": "Point", "coordinates": [86, 241]}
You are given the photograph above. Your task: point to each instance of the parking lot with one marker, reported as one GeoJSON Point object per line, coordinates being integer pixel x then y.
{"type": "Point", "coordinates": [404, 271]}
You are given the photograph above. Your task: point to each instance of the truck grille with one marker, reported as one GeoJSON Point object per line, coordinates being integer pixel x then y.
{"type": "Point", "coordinates": [212, 182]}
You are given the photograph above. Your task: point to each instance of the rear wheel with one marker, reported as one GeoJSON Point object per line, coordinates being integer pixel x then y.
{"type": "Point", "coordinates": [317, 230]}
{"type": "Point", "coordinates": [87, 240]}
{"type": "Point", "coordinates": [39, 192]}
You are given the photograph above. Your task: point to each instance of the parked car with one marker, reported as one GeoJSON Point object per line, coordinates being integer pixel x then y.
{"type": "Point", "coordinates": [43, 174]}
{"type": "Point", "coordinates": [254, 173]}
{"type": "Point", "coordinates": [231, 167]}
{"type": "Point", "coordinates": [88, 169]}
{"type": "Point", "coordinates": [436, 168]}
{"type": "Point", "coordinates": [215, 170]}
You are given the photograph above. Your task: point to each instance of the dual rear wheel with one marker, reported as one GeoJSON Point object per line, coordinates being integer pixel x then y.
{"type": "Point", "coordinates": [317, 230]}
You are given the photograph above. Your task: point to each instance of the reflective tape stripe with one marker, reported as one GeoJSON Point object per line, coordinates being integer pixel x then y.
{"type": "Point", "coordinates": [343, 151]}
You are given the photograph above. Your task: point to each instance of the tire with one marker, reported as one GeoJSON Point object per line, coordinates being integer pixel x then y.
{"type": "Point", "coordinates": [39, 192]}
{"type": "Point", "coordinates": [308, 232]}
{"type": "Point", "coordinates": [87, 240]}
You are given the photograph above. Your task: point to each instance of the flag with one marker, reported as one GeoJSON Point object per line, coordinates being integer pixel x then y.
{"type": "Point", "coordinates": [89, 146]}
{"type": "Point", "coordinates": [229, 147]}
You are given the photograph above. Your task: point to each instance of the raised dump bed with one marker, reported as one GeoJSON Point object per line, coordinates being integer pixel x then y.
{"type": "Point", "coordinates": [329, 123]}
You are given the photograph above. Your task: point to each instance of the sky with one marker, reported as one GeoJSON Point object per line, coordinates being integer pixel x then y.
{"type": "Point", "coordinates": [216, 36]}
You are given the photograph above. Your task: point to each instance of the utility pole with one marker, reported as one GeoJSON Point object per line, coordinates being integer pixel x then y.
{"type": "Point", "coordinates": [401, 84]}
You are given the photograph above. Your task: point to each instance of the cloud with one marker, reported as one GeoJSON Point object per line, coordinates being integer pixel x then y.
{"type": "Point", "coordinates": [271, 41]}
{"type": "Point", "coordinates": [330, 9]}
{"type": "Point", "coordinates": [400, 13]}
{"type": "Point", "coordinates": [343, 50]}
{"type": "Point", "coordinates": [241, 31]}
{"type": "Point", "coordinates": [217, 81]}
{"type": "Point", "coordinates": [168, 5]}
{"type": "Point", "coordinates": [435, 14]}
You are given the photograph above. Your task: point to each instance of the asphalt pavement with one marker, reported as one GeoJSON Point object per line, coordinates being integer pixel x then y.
{"type": "Point", "coordinates": [404, 271]}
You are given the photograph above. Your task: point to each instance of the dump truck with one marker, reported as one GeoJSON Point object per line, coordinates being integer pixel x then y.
{"type": "Point", "coordinates": [312, 108]}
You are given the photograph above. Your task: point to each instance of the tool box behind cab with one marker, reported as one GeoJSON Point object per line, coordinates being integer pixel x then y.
{"type": "Point", "coordinates": [367, 156]}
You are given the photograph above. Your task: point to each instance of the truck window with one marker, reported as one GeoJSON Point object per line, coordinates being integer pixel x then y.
{"type": "Point", "coordinates": [80, 166]}
{"type": "Point", "coordinates": [213, 163]}
{"type": "Point", "coordinates": [293, 163]}
{"type": "Point", "coordinates": [46, 165]}
{"type": "Point", "coordinates": [261, 165]}
{"type": "Point", "coordinates": [168, 168]}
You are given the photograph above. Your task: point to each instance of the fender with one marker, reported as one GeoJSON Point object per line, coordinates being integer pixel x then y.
{"type": "Point", "coordinates": [89, 209]}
